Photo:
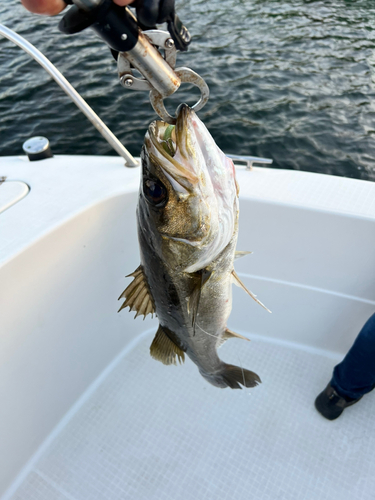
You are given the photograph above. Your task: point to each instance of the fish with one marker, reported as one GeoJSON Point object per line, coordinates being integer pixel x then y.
{"type": "Point", "coordinates": [187, 217]}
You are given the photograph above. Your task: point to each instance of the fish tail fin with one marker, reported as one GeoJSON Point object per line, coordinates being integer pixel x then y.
{"type": "Point", "coordinates": [233, 377]}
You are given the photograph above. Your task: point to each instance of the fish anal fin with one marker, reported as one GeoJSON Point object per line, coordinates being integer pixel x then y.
{"type": "Point", "coordinates": [137, 295]}
{"type": "Point", "coordinates": [239, 283]}
{"type": "Point", "coordinates": [165, 350]}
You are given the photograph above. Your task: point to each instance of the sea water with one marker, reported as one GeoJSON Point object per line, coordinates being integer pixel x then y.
{"type": "Point", "coordinates": [292, 81]}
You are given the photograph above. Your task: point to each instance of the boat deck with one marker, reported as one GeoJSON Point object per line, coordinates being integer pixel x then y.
{"type": "Point", "coordinates": [147, 431]}
{"type": "Point", "coordinates": [144, 431]}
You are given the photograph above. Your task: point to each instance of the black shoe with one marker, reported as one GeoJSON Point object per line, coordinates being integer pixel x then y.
{"type": "Point", "coordinates": [331, 405]}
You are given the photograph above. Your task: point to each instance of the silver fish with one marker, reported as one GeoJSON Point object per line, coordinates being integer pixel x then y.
{"type": "Point", "coordinates": [187, 229]}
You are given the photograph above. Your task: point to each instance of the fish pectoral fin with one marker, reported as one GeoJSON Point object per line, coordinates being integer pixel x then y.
{"type": "Point", "coordinates": [137, 295]}
{"type": "Point", "coordinates": [165, 350]}
{"type": "Point", "coordinates": [193, 302]}
{"type": "Point", "coordinates": [239, 253]}
{"type": "Point", "coordinates": [239, 283]}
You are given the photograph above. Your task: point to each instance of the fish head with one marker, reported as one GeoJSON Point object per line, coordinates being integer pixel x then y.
{"type": "Point", "coordinates": [188, 203]}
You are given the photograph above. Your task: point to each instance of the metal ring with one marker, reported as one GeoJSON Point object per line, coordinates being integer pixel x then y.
{"type": "Point", "coordinates": [186, 75]}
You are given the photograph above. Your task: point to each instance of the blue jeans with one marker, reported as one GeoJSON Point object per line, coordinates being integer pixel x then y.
{"type": "Point", "coordinates": [355, 375]}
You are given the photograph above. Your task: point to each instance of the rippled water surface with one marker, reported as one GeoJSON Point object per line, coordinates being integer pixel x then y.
{"type": "Point", "coordinates": [293, 81]}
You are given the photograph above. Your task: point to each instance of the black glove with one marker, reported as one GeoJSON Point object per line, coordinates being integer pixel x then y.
{"type": "Point", "coordinates": [149, 13]}
{"type": "Point", "coordinates": [152, 12]}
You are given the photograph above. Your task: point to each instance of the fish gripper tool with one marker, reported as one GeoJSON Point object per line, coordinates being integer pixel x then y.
{"type": "Point", "coordinates": [139, 50]}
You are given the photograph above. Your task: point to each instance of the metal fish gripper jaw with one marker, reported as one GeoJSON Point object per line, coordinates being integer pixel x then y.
{"type": "Point", "coordinates": [152, 52]}
{"type": "Point", "coordinates": [160, 76]}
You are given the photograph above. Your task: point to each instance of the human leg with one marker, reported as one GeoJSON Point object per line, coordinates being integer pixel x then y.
{"type": "Point", "coordinates": [353, 377]}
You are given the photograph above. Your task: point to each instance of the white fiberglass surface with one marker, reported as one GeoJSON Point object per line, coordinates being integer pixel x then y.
{"type": "Point", "coordinates": [148, 431]}
{"type": "Point", "coordinates": [11, 193]}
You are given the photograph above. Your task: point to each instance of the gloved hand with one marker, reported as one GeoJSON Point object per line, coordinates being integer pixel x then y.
{"type": "Point", "coordinates": [149, 13]}
{"type": "Point", "coordinates": [152, 12]}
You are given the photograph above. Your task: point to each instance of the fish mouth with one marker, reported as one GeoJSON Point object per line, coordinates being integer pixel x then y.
{"type": "Point", "coordinates": [173, 149]}
{"type": "Point", "coordinates": [171, 137]}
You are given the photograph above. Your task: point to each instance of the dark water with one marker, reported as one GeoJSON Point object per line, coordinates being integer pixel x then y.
{"type": "Point", "coordinates": [293, 81]}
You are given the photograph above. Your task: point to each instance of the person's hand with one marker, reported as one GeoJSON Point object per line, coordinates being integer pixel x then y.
{"type": "Point", "coordinates": [152, 12]}
{"type": "Point", "coordinates": [149, 14]}
{"type": "Point", "coordinates": [46, 7]}
{"type": "Point", "coordinates": [54, 7]}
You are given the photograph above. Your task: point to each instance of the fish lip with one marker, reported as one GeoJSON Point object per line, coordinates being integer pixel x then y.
{"type": "Point", "coordinates": [182, 108]}
{"type": "Point", "coordinates": [182, 112]}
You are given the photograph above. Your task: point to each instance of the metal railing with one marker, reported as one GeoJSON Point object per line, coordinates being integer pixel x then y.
{"type": "Point", "coordinates": [71, 92]}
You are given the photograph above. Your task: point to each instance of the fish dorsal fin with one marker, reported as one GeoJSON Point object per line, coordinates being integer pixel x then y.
{"type": "Point", "coordinates": [229, 334]}
{"type": "Point", "coordinates": [239, 253]}
{"type": "Point", "coordinates": [165, 350]}
{"type": "Point", "coordinates": [193, 303]}
{"type": "Point", "coordinates": [239, 283]}
{"type": "Point", "coordinates": [137, 295]}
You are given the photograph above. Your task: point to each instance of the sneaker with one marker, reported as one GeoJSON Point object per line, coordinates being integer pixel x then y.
{"type": "Point", "coordinates": [330, 404]}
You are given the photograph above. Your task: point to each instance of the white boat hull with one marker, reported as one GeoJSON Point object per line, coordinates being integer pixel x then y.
{"type": "Point", "coordinates": [86, 413]}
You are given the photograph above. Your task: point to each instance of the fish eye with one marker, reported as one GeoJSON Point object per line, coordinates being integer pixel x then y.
{"type": "Point", "coordinates": [155, 192]}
